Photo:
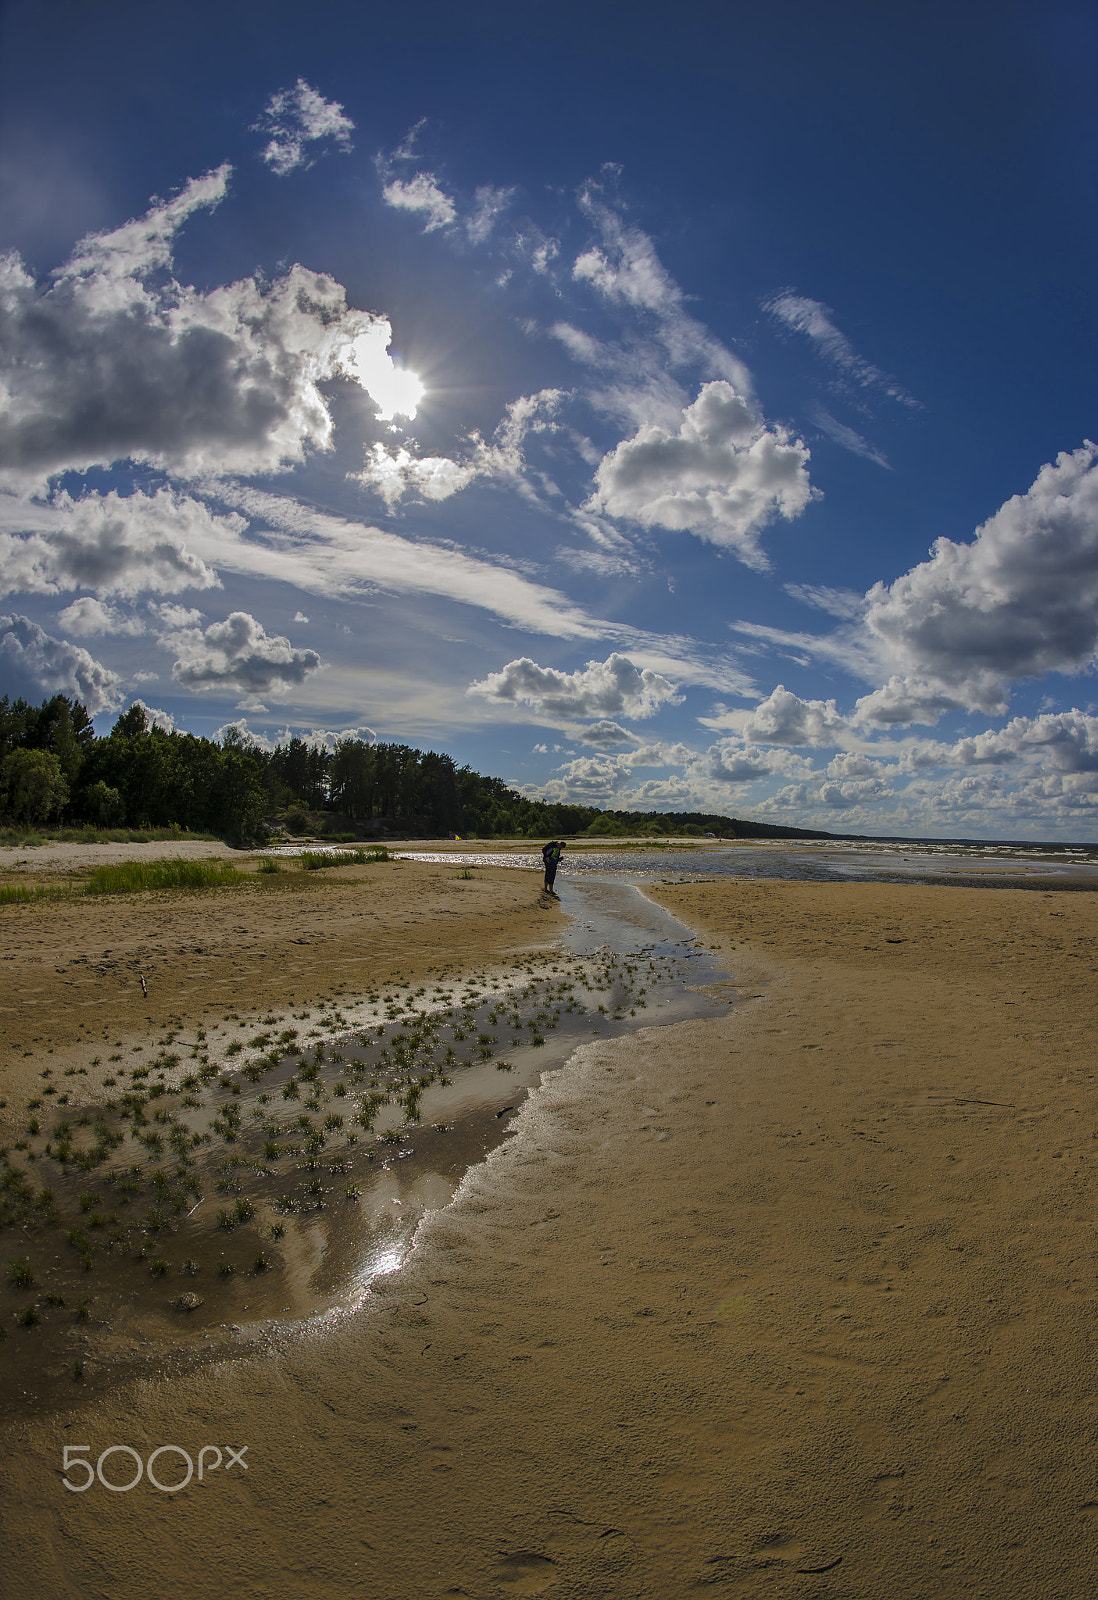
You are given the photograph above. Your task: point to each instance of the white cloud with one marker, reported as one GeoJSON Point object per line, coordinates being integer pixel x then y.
{"type": "Point", "coordinates": [296, 117]}
{"type": "Point", "coordinates": [1019, 601]}
{"type": "Point", "coordinates": [730, 762]}
{"type": "Point", "coordinates": [606, 735]}
{"type": "Point", "coordinates": [103, 364]}
{"type": "Point", "coordinates": [87, 616]}
{"type": "Point", "coordinates": [157, 718]}
{"type": "Point", "coordinates": [904, 700]}
{"type": "Point", "coordinates": [394, 473]}
{"type": "Point", "coordinates": [852, 792]}
{"type": "Point", "coordinates": [614, 687]}
{"type": "Point", "coordinates": [626, 266]}
{"type": "Point", "coordinates": [423, 196]}
{"type": "Point", "coordinates": [854, 764]}
{"type": "Point", "coordinates": [333, 556]}
{"type": "Point", "coordinates": [112, 544]}
{"type": "Point", "coordinates": [847, 604]}
{"type": "Point", "coordinates": [394, 390]}
{"type": "Point", "coordinates": [238, 654]}
{"type": "Point", "coordinates": [723, 475]}
{"type": "Point", "coordinates": [316, 738]}
{"type": "Point", "coordinates": [536, 249]}
{"type": "Point", "coordinates": [489, 205]}
{"type": "Point", "coordinates": [1066, 740]}
{"type": "Point", "coordinates": [813, 319]}
{"type": "Point", "coordinates": [784, 718]}
{"type": "Point", "coordinates": [173, 616]}
{"type": "Point", "coordinates": [849, 438]}
{"type": "Point", "coordinates": [581, 346]}
{"type": "Point", "coordinates": [56, 665]}
{"type": "Point", "coordinates": [626, 272]}
{"type": "Point", "coordinates": [587, 779]}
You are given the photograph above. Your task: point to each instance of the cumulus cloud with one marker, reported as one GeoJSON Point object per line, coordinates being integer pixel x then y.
{"type": "Point", "coordinates": [110, 360]}
{"type": "Point", "coordinates": [1066, 740]}
{"type": "Point", "coordinates": [238, 654]}
{"type": "Point", "coordinates": [316, 738]}
{"type": "Point", "coordinates": [905, 700]}
{"type": "Point", "coordinates": [587, 779]}
{"type": "Point", "coordinates": [30, 653]}
{"type": "Point", "coordinates": [853, 764]}
{"type": "Point", "coordinates": [174, 616]}
{"type": "Point", "coordinates": [157, 718]}
{"type": "Point", "coordinates": [395, 473]}
{"type": "Point", "coordinates": [813, 319]}
{"type": "Point", "coordinates": [1019, 601]}
{"type": "Point", "coordinates": [119, 545]}
{"type": "Point", "coordinates": [607, 735]}
{"type": "Point", "coordinates": [88, 616]}
{"type": "Point", "coordinates": [296, 117]}
{"type": "Point", "coordinates": [730, 762]}
{"type": "Point", "coordinates": [722, 475]}
{"type": "Point", "coordinates": [610, 688]}
{"type": "Point", "coordinates": [843, 796]}
{"type": "Point", "coordinates": [784, 718]}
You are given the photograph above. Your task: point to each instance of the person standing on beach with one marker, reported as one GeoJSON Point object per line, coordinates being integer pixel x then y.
{"type": "Point", "coordinates": [551, 854]}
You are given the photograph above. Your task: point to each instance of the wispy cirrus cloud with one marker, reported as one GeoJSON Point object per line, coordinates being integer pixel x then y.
{"type": "Point", "coordinates": [813, 319]}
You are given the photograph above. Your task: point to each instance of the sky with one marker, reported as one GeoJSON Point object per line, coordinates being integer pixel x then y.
{"type": "Point", "coordinates": [660, 409]}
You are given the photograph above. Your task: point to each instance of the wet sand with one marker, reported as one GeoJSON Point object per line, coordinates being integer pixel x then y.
{"type": "Point", "coordinates": [795, 1301]}
{"type": "Point", "coordinates": [71, 971]}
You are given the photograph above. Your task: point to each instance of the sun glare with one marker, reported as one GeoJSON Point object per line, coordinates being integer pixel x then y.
{"type": "Point", "coordinates": [395, 391]}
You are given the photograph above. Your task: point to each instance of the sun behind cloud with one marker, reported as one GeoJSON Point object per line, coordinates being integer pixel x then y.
{"type": "Point", "coordinates": [394, 390]}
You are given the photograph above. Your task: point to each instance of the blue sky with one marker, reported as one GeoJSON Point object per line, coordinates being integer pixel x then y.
{"type": "Point", "coordinates": [667, 410]}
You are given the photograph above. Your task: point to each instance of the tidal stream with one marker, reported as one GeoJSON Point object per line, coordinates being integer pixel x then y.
{"type": "Point", "coordinates": [274, 1189]}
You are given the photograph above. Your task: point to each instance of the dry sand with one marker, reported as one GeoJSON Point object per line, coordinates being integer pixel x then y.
{"type": "Point", "coordinates": [796, 1301]}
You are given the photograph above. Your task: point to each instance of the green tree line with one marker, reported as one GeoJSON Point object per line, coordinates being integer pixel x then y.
{"type": "Point", "coordinates": [55, 769]}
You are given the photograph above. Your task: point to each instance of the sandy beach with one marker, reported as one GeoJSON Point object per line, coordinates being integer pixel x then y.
{"type": "Point", "coordinates": [799, 1300]}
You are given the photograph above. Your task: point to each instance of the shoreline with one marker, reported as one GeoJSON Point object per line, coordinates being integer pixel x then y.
{"type": "Point", "coordinates": [806, 1286]}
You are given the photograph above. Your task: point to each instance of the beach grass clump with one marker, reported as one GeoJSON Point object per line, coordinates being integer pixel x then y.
{"type": "Point", "coordinates": [130, 877]}
{"type": "Point", "coordinates": [21, 1274]}
{"type": "Point", "coordinates": [21, 894]}
{"type": "Point", "coordinates": [315, 860]}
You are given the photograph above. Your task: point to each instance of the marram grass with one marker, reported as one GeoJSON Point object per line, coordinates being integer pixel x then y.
{"type": "Point", "coordinates": [127, 877]}
{"type": "Point", "coordinates": [130, 877]}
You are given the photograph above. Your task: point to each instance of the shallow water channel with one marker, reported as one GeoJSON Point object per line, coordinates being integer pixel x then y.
{"type": "Point", "coordinates": [273, 1189]}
